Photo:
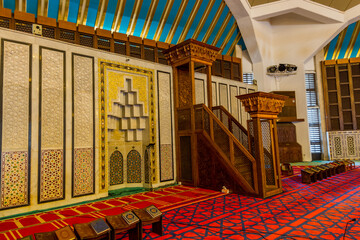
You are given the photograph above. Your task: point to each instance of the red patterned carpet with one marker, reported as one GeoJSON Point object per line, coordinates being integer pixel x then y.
{"type": "Point", "coordinates": [165, 199]}
{"type": "Point", "coordinates": [316, 211]}
{"type": "Point", "coordinates": [319, 210]}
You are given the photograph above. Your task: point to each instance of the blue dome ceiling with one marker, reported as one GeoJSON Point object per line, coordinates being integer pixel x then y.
{"type": "Point", "coordinates": [170, 21]}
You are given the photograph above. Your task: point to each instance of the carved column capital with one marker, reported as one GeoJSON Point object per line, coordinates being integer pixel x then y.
{"type": "Point", "coordinates": [191, 49]}
{"type": "Point", "coordinates": [263, 105]}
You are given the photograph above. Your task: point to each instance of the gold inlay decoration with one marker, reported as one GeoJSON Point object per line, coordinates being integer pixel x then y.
{"type": "Point", "coordinates": [106, 94]}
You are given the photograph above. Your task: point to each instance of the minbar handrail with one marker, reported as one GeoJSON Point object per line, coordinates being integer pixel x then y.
{"type": "Point", "coordinates": [252, 189]}
{"type": "Point", "coordinates": [234, 120]}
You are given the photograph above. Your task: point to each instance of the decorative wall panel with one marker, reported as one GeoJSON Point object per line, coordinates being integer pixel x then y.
{"type": "Point", "coordinates": [51, 175]}
{"type": "Point", "coordinates": [15, 128]}
{"type": "Point", "coordinates": [127, 112]}
{"type": "Point", "coordinates": [111, 78]}
{"type": "Point", "coordinates": [83, 171]}
{"type": "Point", "coordinates": [52, 125]}
{"type": "Point", "coordinates": [243, 114]}
{"type": "Point", "coordinates": [214, 95]}
{"type": "Point", "coordinates": [116, 168]}
{"type": "Point", "coordinates": [133, 167]}
{"type": "Point", "coordinates": [199, 91]}
{"type": "Point", "coordinates": [14, 179]}
{"type": "Point", "coordinates": [344, 145]}
{"type": "Point", "coordinates": [234, 102]}
{"type": "Point", "coordinates": [167, 164]}
{"type": "Point", "coordinates": [83, 125]}
{"type": "Point", "coordinates": [165, 127]}
{"type": "Point", "coordinates": [223, 95]}
{"type": "Point", "coordinates": [147, 166]}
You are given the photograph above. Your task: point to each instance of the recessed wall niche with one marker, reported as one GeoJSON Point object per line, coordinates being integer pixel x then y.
{"type": "Point", "coordinates": [128, 113]}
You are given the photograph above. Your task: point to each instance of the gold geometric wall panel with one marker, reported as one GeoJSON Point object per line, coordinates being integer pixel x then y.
{"type": "Point", "coordinates": [112, 77]}
{"type": "Point", "coordinates": [16, 118]}
{"type": "Point", "coordinates": [52, 124]}
{"type": "Point", "coordinates": [127, 111]}
{"type": "Point", "coordinates": [83, 125]}
{"type": "Point", "coordinates": [165, 126]}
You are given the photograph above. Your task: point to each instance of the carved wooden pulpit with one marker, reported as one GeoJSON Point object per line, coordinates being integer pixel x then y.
{"type": "Point", "coordinates": [263, 109]}
{"type": "Point", "coordinates": [185, 58]}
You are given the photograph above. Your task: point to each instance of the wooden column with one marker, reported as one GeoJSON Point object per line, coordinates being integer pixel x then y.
{"type": "Point", "coordinates": [209, 87]}
{"type": "Point", "coordinates": [263, 109]}
{"type": "Point", "coordinates": [184, 58]}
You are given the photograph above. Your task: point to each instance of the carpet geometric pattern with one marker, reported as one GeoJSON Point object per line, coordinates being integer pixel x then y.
{"type": "Point", "coordinates": [304, 211]}
{"type": "Point", "coordinates": [319, 210]}
{"type": "Point", "coordinates": [315, 211]}
{"type": "Point", "coordinates": [165, 199]}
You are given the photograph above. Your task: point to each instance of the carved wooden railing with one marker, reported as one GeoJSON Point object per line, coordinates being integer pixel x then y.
{"type": "Point", "coordinates": [233, 152]}
{"type": "Point", "coordinates": [232, 124]}
{"type": "Point", "coordinates": [236, 129]}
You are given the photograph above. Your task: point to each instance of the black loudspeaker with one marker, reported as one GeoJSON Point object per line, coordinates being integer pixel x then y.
{"type": "Point", "coordinates": [281, 67]}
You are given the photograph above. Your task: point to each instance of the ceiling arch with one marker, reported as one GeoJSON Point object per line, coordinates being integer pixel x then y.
{"type": "Point", "coordinates": [341, 5]}
{"type": "Point", "coordinates": [170, 21]}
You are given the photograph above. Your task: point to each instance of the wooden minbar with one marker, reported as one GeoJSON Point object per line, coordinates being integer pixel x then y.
{"type": "Point", "coordinates": [264, 109]}
{"type": "Point", "coordinates": [185, 58]}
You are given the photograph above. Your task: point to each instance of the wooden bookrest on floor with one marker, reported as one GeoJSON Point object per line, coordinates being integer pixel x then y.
{"type": "Point", "coordinates": [85, 231]}
{"type": "Point", "coordinates": [45, 236]}
{"type": "Point", "coordinates": [320, 172]}
{"type": "Point", "coordinates": [286, 169]}
{"type": "Point", "coordinates": [119, 225]}
{"type": "Point", "coordinates": [308, 175]}
{"type": "Point", "coordinates": [146, 219]}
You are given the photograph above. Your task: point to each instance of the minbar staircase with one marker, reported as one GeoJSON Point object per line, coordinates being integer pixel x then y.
{"type": "Point", "coordinates": [212, 149]}
{"type": "Point", "coordinates": [223, 160]}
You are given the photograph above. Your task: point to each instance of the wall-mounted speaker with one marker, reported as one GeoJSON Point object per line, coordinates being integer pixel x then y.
{"type": "Point", "coordinates": [282, 69]}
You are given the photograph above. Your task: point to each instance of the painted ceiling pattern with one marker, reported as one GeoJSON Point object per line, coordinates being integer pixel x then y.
{"type": "Point", "coordinates": [170, 21]}
{"type": "Point", "coordinates": [341, 5]}
{"type": "Point", "coordinates": [346, 44]}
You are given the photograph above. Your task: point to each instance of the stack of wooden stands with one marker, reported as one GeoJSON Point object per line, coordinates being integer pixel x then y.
{"type": "Point", "coordinates": [131, 222]}
{"type": "Point", "coordinates": [320, 172]}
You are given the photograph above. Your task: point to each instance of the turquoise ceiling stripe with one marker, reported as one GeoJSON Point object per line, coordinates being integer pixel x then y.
{"type": "Point", "coordinates": [73, 11]}
{"type": "Point", "coordinates": [110, 14]}
{"type": "Point", "coordinates": [199, 15]}
{"type": "Point", "coordinates": [356, 47]}
{"type": "Point", "coordinates": [209, 19]}
{"type": "Point", "coordinates": [170, 20]}
{"type": "Point", "coordinates": [347, 38]}
{"type": "Point", "coordinates": [231, 41]}
{"type": "Point", "coordinates": [183, 21]}
{"type": "Point", "coordinates": [32, 6]}
{"type": "Point", "coordinates": [125, 20]}
{"type": "Point", "coordinates": [141, 18]}
{"type": "Point", "coordinates": [226, 32]}
{"type": "Point", "coordinates": [155, 21]}
{"type": "Point", "coordinates": [332, 48]}
{"type": "Point", "coordinates": [9, 4]}
{"type": "Point", "coordinates": [218, 25]}
{"type": "Point", "coordinates": [53, 9]}
{"type": "Point", "coordinates": [92, 13]}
